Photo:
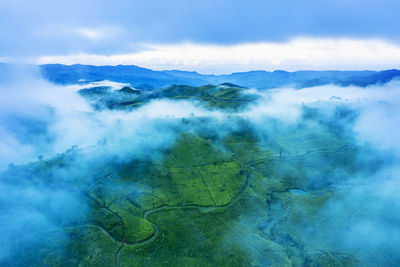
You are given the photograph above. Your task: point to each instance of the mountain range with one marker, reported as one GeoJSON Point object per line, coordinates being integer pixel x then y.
{"type": "Point", "coordinates": [143, 78]}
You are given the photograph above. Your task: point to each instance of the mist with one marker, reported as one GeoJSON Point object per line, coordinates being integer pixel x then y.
{"type": "Point", "coordinates": [43, 123]}
{"type": "Point", "coordinates": [361, 215]}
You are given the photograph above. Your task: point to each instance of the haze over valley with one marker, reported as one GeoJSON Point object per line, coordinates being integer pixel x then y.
{"type": "Point", "coordinates": [215, 133]}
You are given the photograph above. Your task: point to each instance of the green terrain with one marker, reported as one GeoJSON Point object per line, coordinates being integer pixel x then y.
{"type": "Point", "coordinates": [225, 96]}
{"type": "Point", "coordinates": [216, 196]}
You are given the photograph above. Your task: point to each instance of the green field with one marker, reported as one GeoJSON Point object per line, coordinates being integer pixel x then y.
{"type": "Point", "coordinates": [242, 198]}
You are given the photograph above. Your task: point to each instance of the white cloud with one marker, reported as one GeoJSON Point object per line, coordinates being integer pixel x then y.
{"type": "Point", "coordinates": [95, 34]}
{"type": "Point", "coordinates": [92, 34]}
{"type": "Point", "coordinates": [286, 103]}
{"type": "Point", "coordinates": [107, 83]}
{"type": "Point", "coordinates": [297, 54]}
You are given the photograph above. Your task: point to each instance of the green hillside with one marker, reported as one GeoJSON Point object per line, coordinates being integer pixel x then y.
{"type": "Point", "coordinates": [226, 96]}
{"type": "Point", "coordinates": [207, 200]}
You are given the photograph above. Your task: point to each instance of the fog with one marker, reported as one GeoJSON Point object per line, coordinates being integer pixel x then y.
{"type": "Point", "coordinates": [363, 215]}
{"type": "Point", "coordinates": [40, 120]}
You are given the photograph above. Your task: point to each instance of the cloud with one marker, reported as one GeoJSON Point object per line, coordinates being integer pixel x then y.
{"type": "Point", "coordinates": [375, 102]}
{"type": "Point", "coordinates": [361, 215]}
{"type": "Point", "coordinates": [221, 22]}
{"type": "Point", "coordinates": [39, 118]}
{"type": "Point", "coordinates": [297, 54]}
{"type": "Point", "coordinates": [90, 33]}
{"type": "Point", "coordinates": [29, 106]}
{"type": "Point", "coordinates": [42, 119]}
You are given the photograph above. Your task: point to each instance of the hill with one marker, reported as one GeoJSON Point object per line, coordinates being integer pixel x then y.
{"type": "Point", "coordinates": [226, 96]}
{"type": "Point", "coordinates": [149, 79]}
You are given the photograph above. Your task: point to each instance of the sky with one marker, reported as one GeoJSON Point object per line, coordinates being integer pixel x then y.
{"type": "Point", "coordinates": [38, 118]}
{"type": "Point", "coordinates": [208, 36]}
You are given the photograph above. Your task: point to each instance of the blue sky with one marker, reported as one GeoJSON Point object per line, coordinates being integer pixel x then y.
{"type": "Point", "coordinates": [80, 31]}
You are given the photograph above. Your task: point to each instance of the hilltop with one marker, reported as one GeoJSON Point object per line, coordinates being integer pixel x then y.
{"type": "Point", "coordinates": [226, 96]}
{"type": "Point", "coordinates": [149, 79]}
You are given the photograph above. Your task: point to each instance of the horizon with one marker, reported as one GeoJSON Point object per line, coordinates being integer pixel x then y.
{"type": "Point", "coordinates": [201, 73]}
{"type": "Point", "coordinates": [293, 55]}
{"type": "Point", "coordinates": [199, 133]}
{"type": "Point", "coordinates": [207, 37]}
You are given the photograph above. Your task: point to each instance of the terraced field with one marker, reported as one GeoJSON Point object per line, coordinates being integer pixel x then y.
{"type": "Point", "coordinates": [204, 202]}
{"type": "Point", "coordinates": [218, 195]}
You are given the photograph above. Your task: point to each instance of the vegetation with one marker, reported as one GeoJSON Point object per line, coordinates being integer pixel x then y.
{"type": "Point", "coordinates": [234, 199]}
{"type": "Point", "coordinates": [225, 96]}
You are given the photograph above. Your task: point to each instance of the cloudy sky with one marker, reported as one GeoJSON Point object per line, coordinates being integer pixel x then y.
{"type": "Point", "coordinates": [207, 36]}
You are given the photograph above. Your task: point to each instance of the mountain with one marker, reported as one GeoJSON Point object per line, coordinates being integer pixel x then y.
{"type": "Point", "coordinates": [136, 76]}
{"type": "Point", "coordinates": [149, 79]}
{"type": "Point", "coordinates": [226, 96]}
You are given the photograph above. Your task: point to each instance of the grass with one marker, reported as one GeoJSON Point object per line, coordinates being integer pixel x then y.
{"type": "Point", "coordinates": [229, 201]}
{"type": "Point", "coordinates": [227, 97]}
{"type": "Point", "coordinates": [136, 228]}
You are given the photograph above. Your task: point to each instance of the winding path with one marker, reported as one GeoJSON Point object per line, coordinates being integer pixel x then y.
{"type": "Point", "coordinates": [201, 208]}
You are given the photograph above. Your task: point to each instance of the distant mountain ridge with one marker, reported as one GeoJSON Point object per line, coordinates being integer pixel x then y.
{"type": "Point", "coordinates": [143, 78]}
{"type": "Point", "coordinates": [226, 96]}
